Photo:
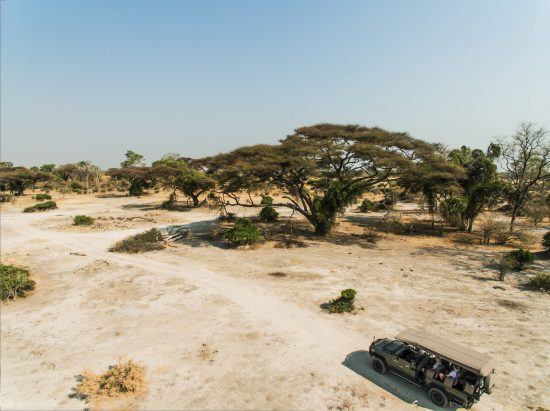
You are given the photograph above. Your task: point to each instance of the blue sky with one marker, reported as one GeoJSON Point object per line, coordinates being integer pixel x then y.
{"type": "Point", "coordinates": [88, 80]}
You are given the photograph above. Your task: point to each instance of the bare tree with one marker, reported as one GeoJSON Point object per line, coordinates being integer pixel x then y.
{"type": "Point", "coordinates": [525, 159]}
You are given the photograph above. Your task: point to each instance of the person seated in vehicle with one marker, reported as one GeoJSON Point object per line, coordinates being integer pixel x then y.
{"type": "Point", "coordinates": [454, 374]}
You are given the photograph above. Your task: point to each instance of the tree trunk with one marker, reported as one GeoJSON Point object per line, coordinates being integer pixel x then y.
{"type": "Point", "coordinates": [195, 199]}
{"type": "Point", "coordinates": [470, 225]}
{"type": "Point", "coordinates": [513, 220]}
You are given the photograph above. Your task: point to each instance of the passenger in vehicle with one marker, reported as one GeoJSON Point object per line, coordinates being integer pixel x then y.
{"type": "Point", "coordinates": [453, 374]}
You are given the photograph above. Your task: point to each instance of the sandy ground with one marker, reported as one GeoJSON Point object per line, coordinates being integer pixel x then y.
{"type": "Point", "coordinates": [216, 330]}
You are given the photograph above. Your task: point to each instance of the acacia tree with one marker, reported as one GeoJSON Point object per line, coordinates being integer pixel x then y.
{"type": "Point", "coordinates": [321, 169]}
{"type": "Point", "coordinates": [18, 179]}
{"type": "Point", "coordinates": [526, 163]}
{"type": "Point", "coordinates": [132, 159]}
{"type": "Point", "coordinates": [138, 178]}
{"type": "Point", "coordinates": [177, 174]}
{"type": "Point", "coordinates": [480, 183]}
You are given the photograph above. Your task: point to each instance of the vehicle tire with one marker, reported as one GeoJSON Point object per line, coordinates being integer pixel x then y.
{"type": "Point", "coordinates": [438, 397]}
{"type": "Point", "coordinates": [378, 365]}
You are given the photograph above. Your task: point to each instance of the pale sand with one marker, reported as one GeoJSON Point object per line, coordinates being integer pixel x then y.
{"type": "Point", "coordinates": [216, 331]}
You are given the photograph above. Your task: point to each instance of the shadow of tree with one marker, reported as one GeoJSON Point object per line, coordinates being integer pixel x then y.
{"type": "Point", "coordinates": [360, 363]}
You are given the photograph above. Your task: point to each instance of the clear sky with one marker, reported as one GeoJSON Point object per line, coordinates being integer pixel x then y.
{"type": "Point", "coordinates": [90, 79]}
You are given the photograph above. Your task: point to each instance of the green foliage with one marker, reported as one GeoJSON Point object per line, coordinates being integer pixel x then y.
{"type": "Point", "coordinates": [135, 179]}
{"type": "Point", "coordinates": [344, 303]}
{"type": "Point", "coordinates": [47, 168]}
{"type": "Point", "coordinates": [228, 217]}
{"type": "Point", "coordinates": [546, 241]}
{"type": "Point", "coordinates": [147, 241]}
{"type": "Point", "coordinates": [47, 205]}
{"type": "Point", "coordinates": [83, 220]}
{"type": "Point", "coordinates": [452, 210]}
{"type": "Point", "coordinates": [42, 197]}
{"type": "Point", "coordinates": [17, 179]}
{"type": "Point", "coordinates": [322, 169]}
{"type": "Point", "coordinates": [6, 198]}
{"type": "Point", "coordinates": [521, 258]}
{"type": "Point", "coordinates": [541, 281]}
{"type": "Point", "coordinates": [132, 159]}
{"type": "Point", "coordinates": [266, 200]}
{"type": "Point", "coordinates": [75, 186]}
{"type": "Point", "coordinates": [368, 205]}
{"type": "Point", "coordinates": [14, 282]}
{"type": "Point", "coordinates": [242, 233]}
{"type": "Point", "coordinates": [269, 214]}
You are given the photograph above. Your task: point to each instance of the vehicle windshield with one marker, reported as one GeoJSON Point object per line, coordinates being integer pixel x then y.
{"type": "Point", "coordinates": [394, 346]}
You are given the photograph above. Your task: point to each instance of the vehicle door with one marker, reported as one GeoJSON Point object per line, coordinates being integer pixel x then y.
{"type": "Point", "coordinates": [402, 365]}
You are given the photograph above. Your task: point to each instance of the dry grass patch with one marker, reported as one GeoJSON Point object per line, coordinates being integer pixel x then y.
{"type": "Point", "coordinates": [123, 381]}
{"type": "Point", "coordinates": [150, 240]}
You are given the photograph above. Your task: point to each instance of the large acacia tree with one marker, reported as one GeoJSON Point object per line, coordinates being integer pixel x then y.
{"type": "Point", "coordinates": [18, 179]}
{"type": "Point", "coordinates": [178, 174]}
{"type": "Point", "coordinates": [321, 169]}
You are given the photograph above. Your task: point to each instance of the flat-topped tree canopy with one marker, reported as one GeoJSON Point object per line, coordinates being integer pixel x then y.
{"type": "Point", "coordinates": [465, 357]}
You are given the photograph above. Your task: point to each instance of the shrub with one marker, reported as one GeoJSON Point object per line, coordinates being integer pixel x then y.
{"type": "Point", "coordinates": [541, 281]}
{"type": "Point", "coordinates": [344, 303]}
{"type": "Point", "coordinates": [14, 282]}
{"type": "Point", "coordinates": [48, 205]}
{"type": "Point", "coordinates": [42, 197]}
{"type": "Point", "coordinates": [546, 241]}
{"type": "Point", "coordinates": [506, 265]}
{"type": "Point", "coordinates": [242, 233]}
{"type": "Point", "coordinates": [491, 228]}
{"type": "Point", "coordinates": [521, 258]}
{"type": "Point", "coordinates": [228, 217]}
{"type": "Point", "coordinates": [269, 214]}
{"type": "Point", "coordinates": [75, 186]}
{"type": "Point", "coordinates": [125, 379]}
{"type": "Point", "coordinates": [83, 220]}
{"type": "Point", "coordinates": [267, 200]}
{"type": "Point", "coordinates": [6, 198]}
{"type": "Point", "coordinates": [147, 241]}
{"type": "Point", "coordinates": [368, 205]}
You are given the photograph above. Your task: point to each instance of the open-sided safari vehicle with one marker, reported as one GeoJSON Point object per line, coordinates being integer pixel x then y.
{"type": "Point", "coordinates": [449, 371]}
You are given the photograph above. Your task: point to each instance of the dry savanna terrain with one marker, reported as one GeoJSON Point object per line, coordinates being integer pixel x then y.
{"type": "Point", "coordinates": [221, 328]}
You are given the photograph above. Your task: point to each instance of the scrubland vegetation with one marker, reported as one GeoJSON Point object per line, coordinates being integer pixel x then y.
{"type": "Point", "coordinates": [14, 282]}
{"type": "Point", "coordinates": [149, 240]}
{"type": "Point", "coordinates": [328, 207]}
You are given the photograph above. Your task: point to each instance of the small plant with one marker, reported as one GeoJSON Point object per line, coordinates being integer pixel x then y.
{"type": "Point", "coordinates": [242, 233]}
{"type": "Point", "coordinates": [541, 281]}
{"type": "Point", "coordinates": [521, 258]}
{"type": "Point", "coordinates": [269, 214]}
{"type": "Point", "coordinates": [267, 200]}
{"type": "Point", "coordinates": [228, 217]}
{"type": "Point", "coordinates": [42, 197]}
{"type": "Point", "coordinates": [368, 205]}
{"type": "Point", "coordinates": [546, 241]}
{"type": "Point", "coordinates": [125, 379]}
{"type": "Point", "coordinates": [83, 220]}
{"type": "Point", "coordinates": [505, 266]}
{"type": "Point", "coordinates": [48, 205]}
{"type": "Point", "coordinates": [344, 303]}
{"type": "Point", "coordinates": [150, 240]}
{"type": "Point", "coordinates": [76, 187]}
{"type": "Point", "coordinates": [14, 282]}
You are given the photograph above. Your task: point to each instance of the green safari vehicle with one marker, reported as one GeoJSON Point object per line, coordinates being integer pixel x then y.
{"type": "Point", "coordinates": [450, 372]}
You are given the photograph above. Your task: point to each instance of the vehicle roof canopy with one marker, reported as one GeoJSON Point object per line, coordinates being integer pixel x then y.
{"type": "Point", "coordinates": [464, 357]}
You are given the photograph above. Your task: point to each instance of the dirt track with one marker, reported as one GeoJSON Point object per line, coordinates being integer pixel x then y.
{"type": "Point", "coordinates": [271, 346]}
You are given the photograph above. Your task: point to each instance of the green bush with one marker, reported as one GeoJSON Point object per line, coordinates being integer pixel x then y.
{"type": "Point", "coordinates": [368, 205]}
{"type": "Point", "coordinates": [83, 220]}
{"type": "Point", "coordinates": [42, 197]}
{"type": "Point", "coordinates": [541, 281]}
{"type": "Point", "coordinates": [242, 233]}
{"type": "Point", "coordinates": [6, 198]}
{"type": "Point", "coordinates": [269, 214]}
{"type": "Point", "coordinates": [76, 186]}
{"type": "Point", "coordinates": [147, 241]}
{"type": "Point", "coordinates": [14, 282]}
{"type": "Point", "coordinates": [546, 241]}
{"type": "Point", "coordinates": [48, 205]}
{"type": "Point", "coordinates": [267, 200]}
{"type": "Point", "coordinates": [344, 303]}
{"type": "Point", "coordinates": [521, 258]}
{"type": "Point", "coordinates": [228, 217]}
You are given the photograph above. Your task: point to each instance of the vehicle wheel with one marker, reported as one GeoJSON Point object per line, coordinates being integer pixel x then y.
{"type": "Point", "coordinates": [378, 365]}
{"type": "Point", "coordinates": [438, 397]}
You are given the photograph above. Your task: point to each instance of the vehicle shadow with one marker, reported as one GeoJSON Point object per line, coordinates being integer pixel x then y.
{"type": "Point", "coordinates": [360, 363]}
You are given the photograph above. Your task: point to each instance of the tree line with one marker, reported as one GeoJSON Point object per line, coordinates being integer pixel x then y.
{"type": "Point", "coordinates": [321, 170]}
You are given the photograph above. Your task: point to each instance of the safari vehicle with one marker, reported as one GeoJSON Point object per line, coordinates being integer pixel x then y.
{"type": "Point", "coordinates": [425, 360]}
